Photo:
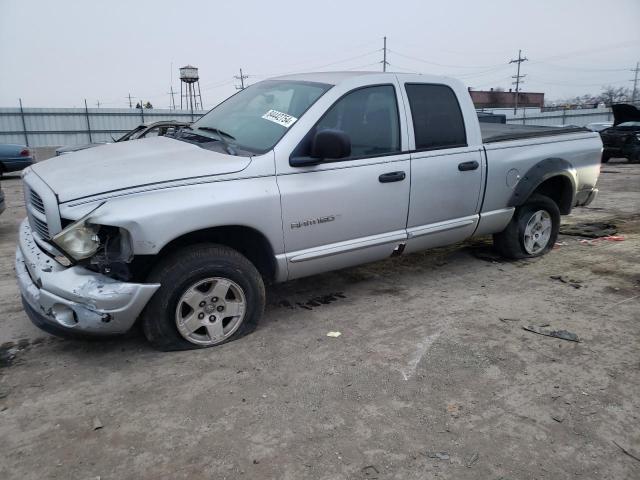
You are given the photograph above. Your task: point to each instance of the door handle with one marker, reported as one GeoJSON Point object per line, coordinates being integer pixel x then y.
{"type": "Point", "coordinates": [392, 177]}
{"type": "Point", "coordinates": [465, 166]}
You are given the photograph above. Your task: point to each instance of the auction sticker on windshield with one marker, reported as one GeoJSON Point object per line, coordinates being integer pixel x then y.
{"type": "Point", "coordinates": [280, 118]}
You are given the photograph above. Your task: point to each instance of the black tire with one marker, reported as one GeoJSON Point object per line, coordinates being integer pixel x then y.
{"type": "Point", "coordinates": [178, 272]}
{"type": "Point", "coordinates": [606, 157]}
{"type": "Point", "coordinates": [510, 243]}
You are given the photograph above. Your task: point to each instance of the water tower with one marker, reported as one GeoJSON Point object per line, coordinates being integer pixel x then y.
{"type": "Point", "coordinates": [189, 77]}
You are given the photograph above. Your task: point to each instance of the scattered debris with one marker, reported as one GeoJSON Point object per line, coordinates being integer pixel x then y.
{"type": "Point", "coordinates": [438, 455]}
{"type": "Point", "coordinates": [97, 424]}
{"type": "Point", "coordinates": [558, 417]}
{"type": "Point", "coordinates": [454, 409]}
{"type": "Point", "coordinates": [333, 334]}
{"type": "Point", "coordinates": [8, 352]}
{"type": "Point", "coordinates": [561, 334]}
{"type": "Point", "coordinates": [574, 283]}
{"type": "Point", "coordinates": [370, 472]}
{"type": "Point", "coordinates": [313, 302]}
{"type": "Point", "coordinates": [471, 459]}
{"type": "Point", "coordinates": [590, 230]}
{"type": "Point", "coordinates": [610, 238]}
{"type": "Point", "coordinates": [505, 320]}
{"type": "Point", "coordinates": [626, 452]}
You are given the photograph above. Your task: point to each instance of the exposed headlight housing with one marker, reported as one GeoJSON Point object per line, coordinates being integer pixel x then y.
{"type": "Point", "coordinates": [79, 240]}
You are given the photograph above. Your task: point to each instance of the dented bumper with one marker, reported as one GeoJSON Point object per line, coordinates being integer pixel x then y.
{"type": "Point", "coordinates": [74, 299]}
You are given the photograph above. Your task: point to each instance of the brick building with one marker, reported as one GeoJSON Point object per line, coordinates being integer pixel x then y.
{"type": "Point", "coordinates": [499, 99]}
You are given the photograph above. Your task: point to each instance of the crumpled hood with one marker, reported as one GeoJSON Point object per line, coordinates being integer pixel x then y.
{"type": "Point", "coordinates": [124, 165]}
{"type": "Point", "coordinates": [624, 112]}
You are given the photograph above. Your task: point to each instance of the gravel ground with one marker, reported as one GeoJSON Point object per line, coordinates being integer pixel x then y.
{"type": "Point", "coordinates": [433, 375]}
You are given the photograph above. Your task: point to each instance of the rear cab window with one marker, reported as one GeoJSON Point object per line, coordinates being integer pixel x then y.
{"type": "Point", "coordinates": [437, 118]}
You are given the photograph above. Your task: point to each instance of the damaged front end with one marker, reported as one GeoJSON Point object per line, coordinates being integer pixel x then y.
{"type": "Point", "coordinates": [84, 295]}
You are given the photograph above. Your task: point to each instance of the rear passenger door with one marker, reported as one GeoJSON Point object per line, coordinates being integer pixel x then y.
{"type": "Point", "coordinates": [446, 172]}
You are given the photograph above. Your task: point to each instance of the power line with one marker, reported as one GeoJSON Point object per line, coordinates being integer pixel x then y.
{"type": "Point", "coordinates": [518, 78]}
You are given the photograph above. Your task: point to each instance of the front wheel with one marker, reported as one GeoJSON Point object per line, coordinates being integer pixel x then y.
{"type": "Point", "coordinates": [209, 295]}
{"type": "Point", "coordinates": [533, 230]}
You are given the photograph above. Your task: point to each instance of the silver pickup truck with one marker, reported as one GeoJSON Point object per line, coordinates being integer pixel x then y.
{"type": "Point", "coordinates": [289, 177]}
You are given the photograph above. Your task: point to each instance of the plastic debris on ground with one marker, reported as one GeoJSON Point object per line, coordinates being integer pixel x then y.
{"type": "Point", "coordinates": [333, 334]}
{"type": "Point", "coordinates": [561, 334]}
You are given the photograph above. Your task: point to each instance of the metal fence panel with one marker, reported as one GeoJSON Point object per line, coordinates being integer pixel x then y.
{"type": "Point", "coordinates": [75, 126]}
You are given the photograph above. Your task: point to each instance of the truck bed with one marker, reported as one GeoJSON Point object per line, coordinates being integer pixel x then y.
{"type": "Point", "coordinates": [502, 132]}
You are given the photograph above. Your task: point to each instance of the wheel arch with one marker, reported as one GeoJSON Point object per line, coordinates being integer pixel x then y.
{"type": "Point", "coordinates": [552, 177]}
{"type": "Point", "coordinates": [249, 241]}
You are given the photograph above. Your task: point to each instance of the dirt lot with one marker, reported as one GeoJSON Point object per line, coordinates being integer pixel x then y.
{"type": "Point", "coordinates": [433, 375]}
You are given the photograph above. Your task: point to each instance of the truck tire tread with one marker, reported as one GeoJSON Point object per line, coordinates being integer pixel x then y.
{"type": "Point", "coordinates": [509, 242]}
{"type": "Point", "coordinates": [186, 265]}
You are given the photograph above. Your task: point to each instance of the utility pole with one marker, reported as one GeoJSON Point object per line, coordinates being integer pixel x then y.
{"type": "Point", "coordinates": [173, 101]}
{"type": "Point", "coordinates": [241, 78]}
{"type": "Point", "coordinates": [635, 82]}
{"type": "Point", "coordinates": [384, 55]}
{"type": "Point", "coordinates": [130, 104]}
{"type": "Point", "coordinates": [518, 78]}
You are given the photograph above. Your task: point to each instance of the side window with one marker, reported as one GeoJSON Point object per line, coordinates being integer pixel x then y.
{"type": "Point", "coordinates": [370, 117]}
{"type": "Point", "coordinates": [437, 118]}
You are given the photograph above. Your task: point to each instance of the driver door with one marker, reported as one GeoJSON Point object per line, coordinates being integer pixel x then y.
{"type": "Point", "coordinates": [352, 210]}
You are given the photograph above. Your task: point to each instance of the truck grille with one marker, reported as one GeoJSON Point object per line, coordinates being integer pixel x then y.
{"type": "Point", "coordinates": [36, 201]}
{"type": "Point", "coordinates": [36, 213]}
{"type": "Point", "coordinates": [40, 227]}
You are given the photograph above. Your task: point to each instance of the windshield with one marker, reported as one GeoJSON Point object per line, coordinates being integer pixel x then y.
{"type": "Point", "coordinates": [256, 118]}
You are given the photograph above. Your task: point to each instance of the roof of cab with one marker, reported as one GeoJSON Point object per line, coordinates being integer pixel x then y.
{"type": "Point", "coordinates": [334, 78]}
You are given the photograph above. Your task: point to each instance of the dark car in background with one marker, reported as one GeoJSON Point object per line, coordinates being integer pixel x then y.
{"type": "Point", "coordinates": [144, 130]}
{"type": "Point", "coordinates": [622, 140]}
{"type": "Point", "coordinates": [14, 158]}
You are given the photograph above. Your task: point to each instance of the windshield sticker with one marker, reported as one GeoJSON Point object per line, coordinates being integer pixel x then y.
{"type": "Point", "coordinates": [280, 118]}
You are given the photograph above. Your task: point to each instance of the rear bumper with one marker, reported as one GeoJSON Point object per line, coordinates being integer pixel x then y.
{"type": "Point", "coordinates": [16, 164]}
{"type": "Point", "coordinates": [74, 300]}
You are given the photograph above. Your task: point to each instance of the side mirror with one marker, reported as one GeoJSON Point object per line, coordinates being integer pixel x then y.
{"type": "Point", "coordinates": [330, 144]}
{"type": "Point", "coordinates": [325, 145]}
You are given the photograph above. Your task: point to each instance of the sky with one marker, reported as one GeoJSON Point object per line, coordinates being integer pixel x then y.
{"type": "Point", "coordinates": [56, 53]}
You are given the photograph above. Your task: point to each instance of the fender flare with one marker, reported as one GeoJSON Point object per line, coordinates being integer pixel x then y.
{"type": "Point", "coordinates": [539, 173]}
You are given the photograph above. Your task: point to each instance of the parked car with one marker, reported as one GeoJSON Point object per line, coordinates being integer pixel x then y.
{"type": "Point", "coordinates": [598, 126]}
{"type": "Point", "coordinates": [290, 177]}
{"type": "Point", "coordinates": [622, 140]}
{"type": "Point", "coordinates": [14, 158]}
{"type": "Point", "coordinates": [144, 130]}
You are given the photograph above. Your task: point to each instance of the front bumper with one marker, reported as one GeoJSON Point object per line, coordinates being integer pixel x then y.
{"type": "Point", "coordinates": [74, 300]}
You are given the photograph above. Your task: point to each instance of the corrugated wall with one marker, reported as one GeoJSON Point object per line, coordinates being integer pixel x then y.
{"type": "Point", "coordinates": [75, 126]}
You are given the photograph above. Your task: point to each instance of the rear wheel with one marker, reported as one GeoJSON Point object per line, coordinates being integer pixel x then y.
{"type": "Point", "coordinates": [606, 157]}
{"type": "Point", "coordinates": [533, 230]}
{"type": "Point", "coordinates": [209, 295]}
